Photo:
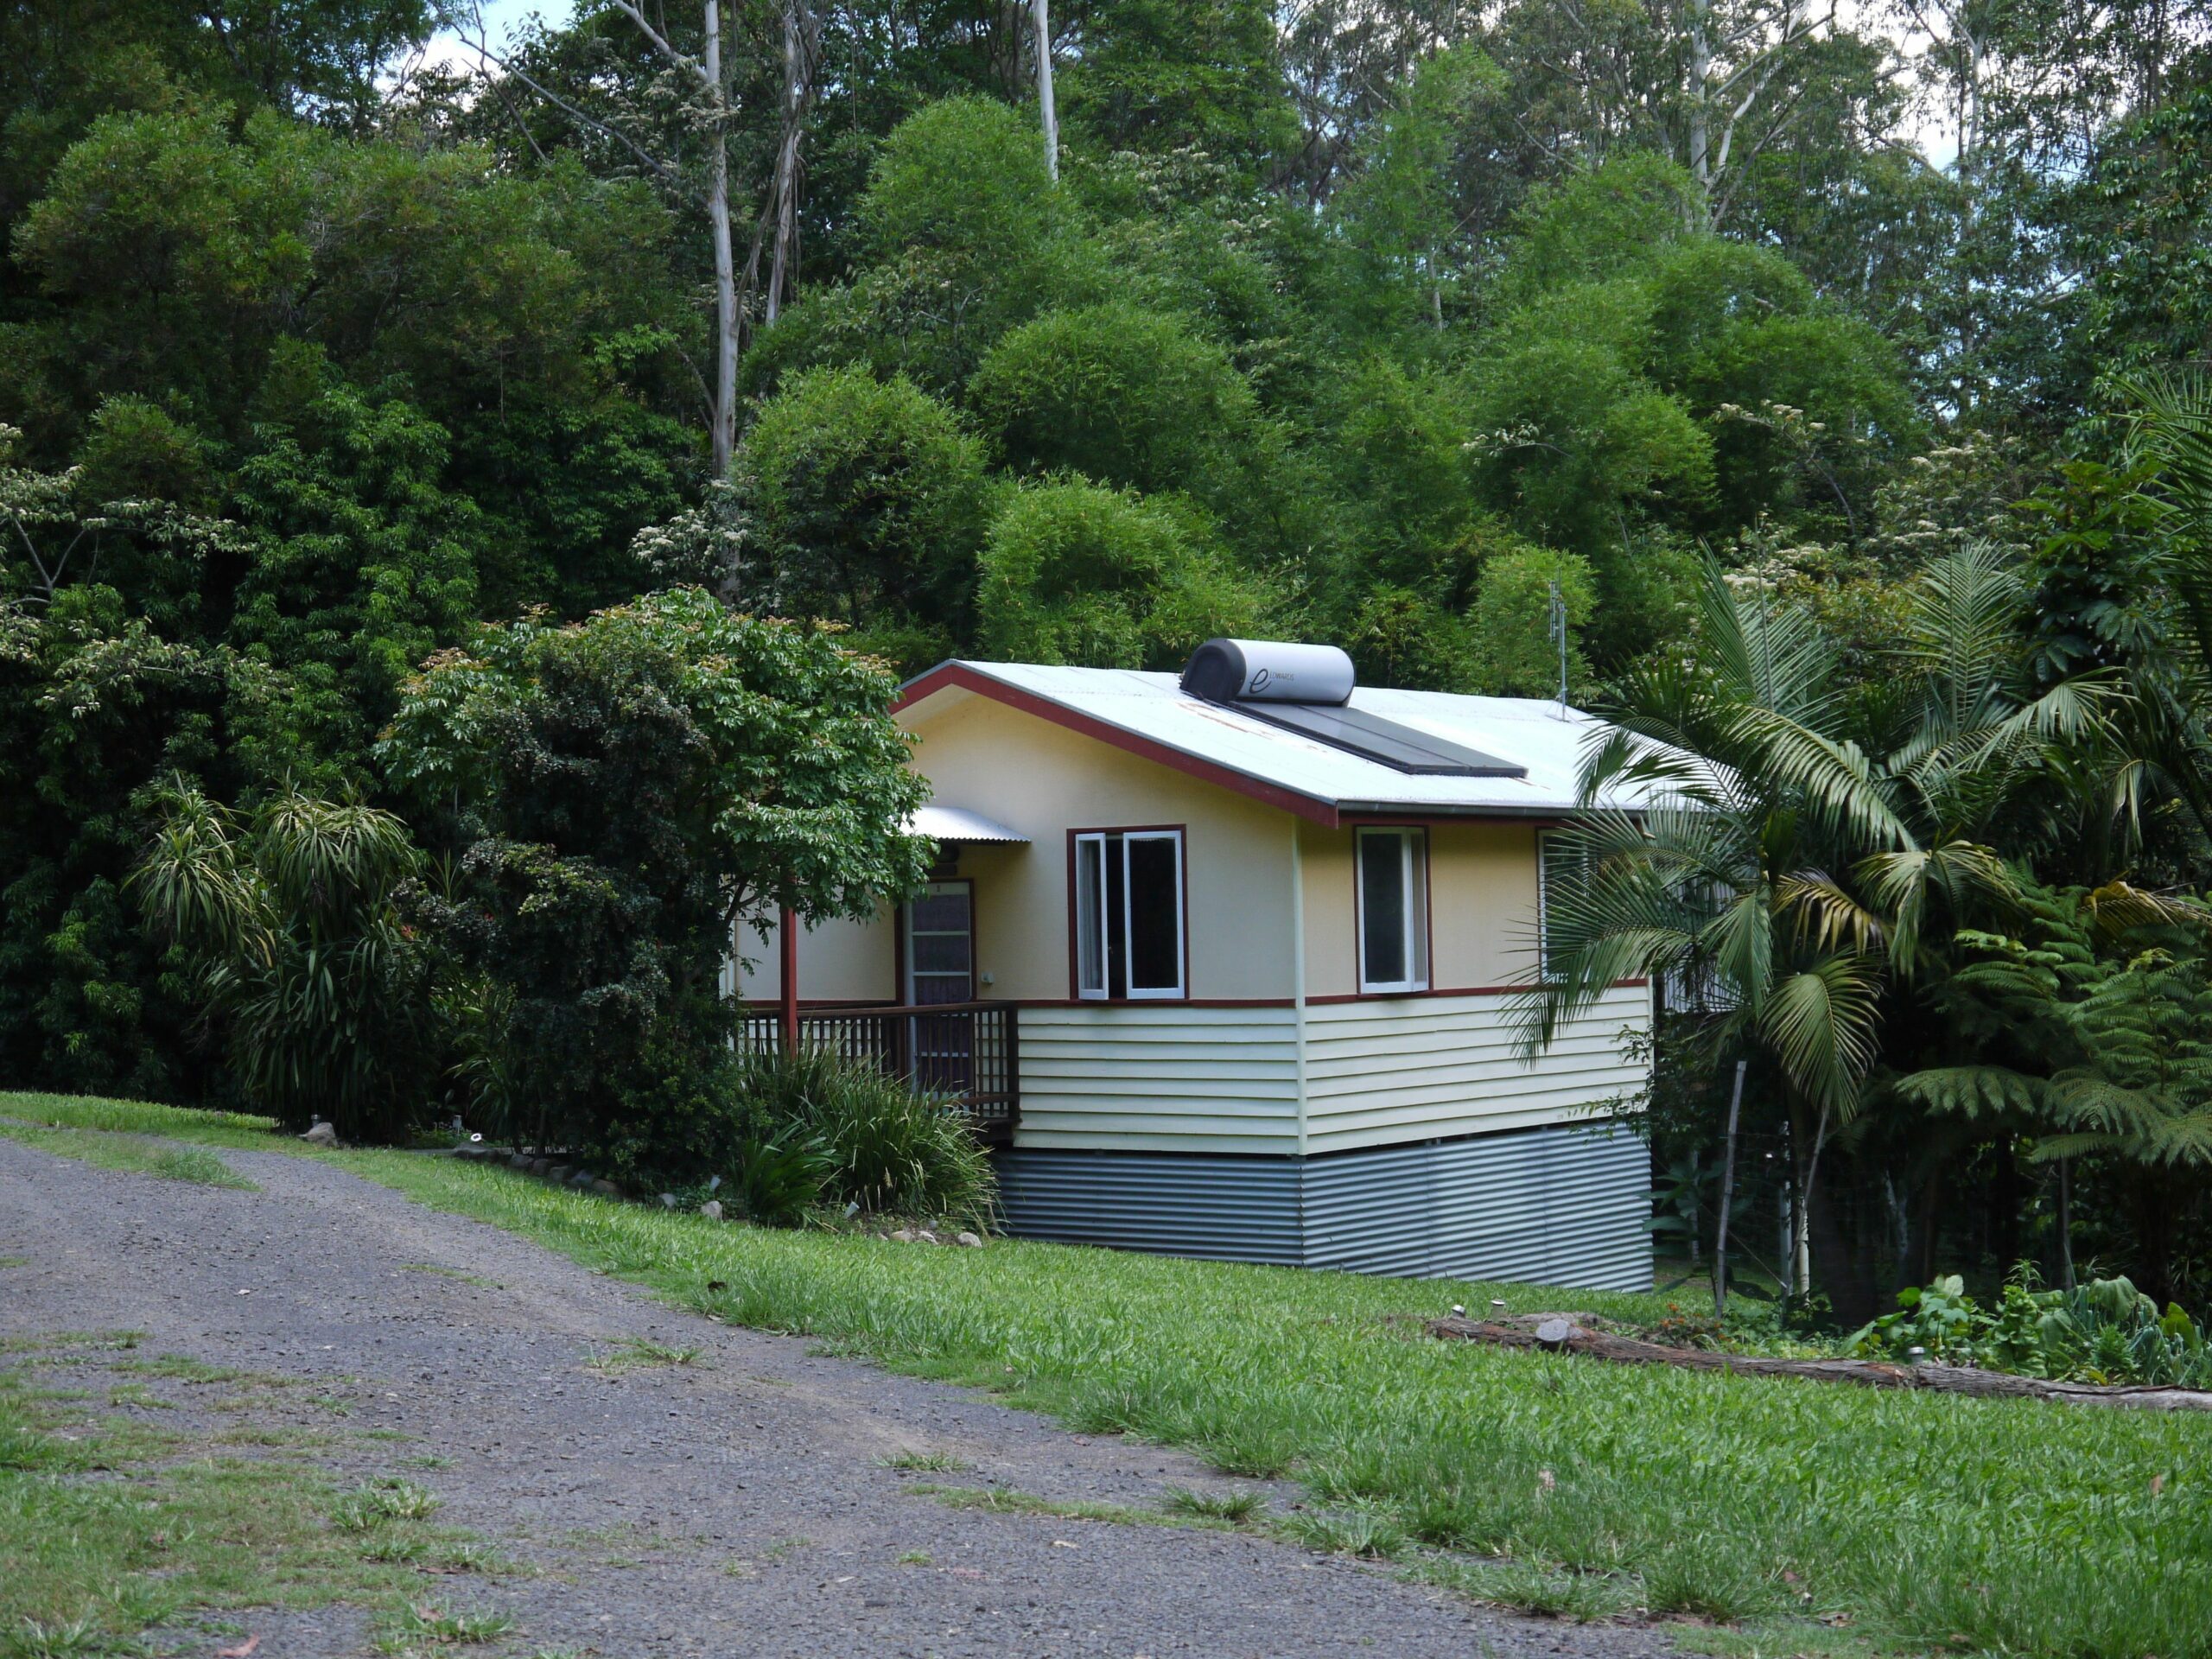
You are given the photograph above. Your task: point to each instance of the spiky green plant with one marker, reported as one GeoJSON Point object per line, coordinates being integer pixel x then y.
{"type": "Point", "coordinates": [289, 917]}
{"type": "Point", "coordinates": [1789, 852]}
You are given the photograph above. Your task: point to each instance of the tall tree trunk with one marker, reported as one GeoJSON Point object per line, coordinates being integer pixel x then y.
{"type": "Point", "coordinates": [725, 412]}
{"type": "Point", "coordinates": [1046, 110]}
{"type": "Point", "coordinates": [799, 56]}
{"type": "Point", "coordinates": [1931, 1194]}
{"type": "Point", "coordinates": [1700, 133]}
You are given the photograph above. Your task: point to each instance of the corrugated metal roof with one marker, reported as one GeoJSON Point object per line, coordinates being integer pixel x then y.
{"type": "Point", "coordinates": [1530, 733]}
{"type": "Point", "coordinates": [941, 823]}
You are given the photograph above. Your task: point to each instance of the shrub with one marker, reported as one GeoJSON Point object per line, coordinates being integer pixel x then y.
{"type": "Point", "coordinates": [876, 1142]}
{"type": "Point", "coordinates": [289, 918]}
{"type": "Point", "coordinates": [629, 788]}
{"type": "Point", "coordinates": [2104, 1332]}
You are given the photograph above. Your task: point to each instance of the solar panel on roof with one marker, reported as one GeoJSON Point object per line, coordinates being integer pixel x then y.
{"type": "Point", "coordinates": [1403, 748]}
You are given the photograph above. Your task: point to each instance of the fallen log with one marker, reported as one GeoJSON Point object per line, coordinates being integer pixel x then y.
{"type": "Point", "coordinates": [1554, 1333]}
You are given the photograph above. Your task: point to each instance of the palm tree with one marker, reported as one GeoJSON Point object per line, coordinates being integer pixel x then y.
{"type": "Point", "coordinates": [1799, 841]}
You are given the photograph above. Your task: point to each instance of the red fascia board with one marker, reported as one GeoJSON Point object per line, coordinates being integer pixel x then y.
{"type": "Point", "coordinates": [960, 675]}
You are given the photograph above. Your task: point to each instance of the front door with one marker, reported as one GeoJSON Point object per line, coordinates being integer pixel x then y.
{"type": "Point", "coordinates": [941, 968]}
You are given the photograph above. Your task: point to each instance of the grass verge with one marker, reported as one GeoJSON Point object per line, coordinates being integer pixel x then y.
{"type": "Point", "coordinates": [131, 1151]}
{"type": "Point", "coordinates": [1814, 1515]}
{"type": "Point", "coordinates": [111, 1527]}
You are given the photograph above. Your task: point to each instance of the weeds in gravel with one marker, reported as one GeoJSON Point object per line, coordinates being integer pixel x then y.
{"type": "Point", "coordinates": [1236, 1508]}
{"type": "Point", "coordinates": [1004, 1500]}
{"type": "Point", "coordinates": [1584, 1598]}
{"type": "Point", "coordinates": [32, 1640]}
{"type": "Point", "coordinates": [1371, 1534]}
{"type": "Point", "coordinates": [422, 1625]}
{"type": "Point", "coordinates": [110, 1527]}
{"type": "Point", "coordinates": [913, 1558]}
{"type": "Point", "coordinates": [1930, 1521]}
{"type": "Point", "coordinates": [637, 1353]}
{"type": "Point", "coordinates": [922, 1462]}
{"type": "Point", "coordinates": [387, 1498]}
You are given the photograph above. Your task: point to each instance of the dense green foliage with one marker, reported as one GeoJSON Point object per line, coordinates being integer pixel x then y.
{"type": "Point", "coordinates": [630, 793]}
{"type": "Point", "coordinates": [290, 921]}
{"type": "Point", "coordinates": [359, 433]}
{"type": "Point", "coordinates": [817, 1131]}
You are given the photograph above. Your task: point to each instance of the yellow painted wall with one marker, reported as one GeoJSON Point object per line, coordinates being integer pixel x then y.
{"type": "Point", "coordinates": [1044, 781]}
{"type": "Point", "coordinates": [1482, 906]}
{"type": "Point", "coordinates": [843, 962]}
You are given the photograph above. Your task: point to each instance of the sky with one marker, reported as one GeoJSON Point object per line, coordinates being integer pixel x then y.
{"type": "Point", "coordinates": [500, 17]}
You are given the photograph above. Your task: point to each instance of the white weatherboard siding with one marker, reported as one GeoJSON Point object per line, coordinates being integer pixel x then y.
{"type": "Point", "coordinates": [1380, 1072]}
{"type": "Point", "coordinates": [1169, 1078]}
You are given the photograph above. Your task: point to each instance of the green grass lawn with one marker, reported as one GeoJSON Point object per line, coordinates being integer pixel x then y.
{"type": "Point", "coordinates": [1811, 1515]}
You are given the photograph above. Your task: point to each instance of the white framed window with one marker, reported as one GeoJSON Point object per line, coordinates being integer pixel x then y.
{"type": "Point", "coordinates": [1393, 909]}
{"type": "Point", "coordinates": [1129, 914]}
{"type": "Point", "coordinates": [1562, 869]}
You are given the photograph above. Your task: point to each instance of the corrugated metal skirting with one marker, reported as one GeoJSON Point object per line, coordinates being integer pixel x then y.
{"type": "Point", "coordinates": [1222, 1207]}
{"type": "Point", "coordinates": [1562, 1205]}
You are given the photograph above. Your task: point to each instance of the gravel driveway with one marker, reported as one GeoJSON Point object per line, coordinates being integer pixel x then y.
{"type": "Point", "coordinates": [735, 1505]}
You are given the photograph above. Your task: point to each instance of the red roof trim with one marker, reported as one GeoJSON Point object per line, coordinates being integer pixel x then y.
{"type": "Point", "coordinates": [967, 679]}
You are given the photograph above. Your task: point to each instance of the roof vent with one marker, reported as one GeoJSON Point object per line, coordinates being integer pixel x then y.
{"type": "Point", "coordinates": [1262, 670]}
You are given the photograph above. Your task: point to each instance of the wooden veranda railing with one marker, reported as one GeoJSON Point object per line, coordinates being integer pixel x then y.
{"type": "Point", "coordinates": [967, 1052]}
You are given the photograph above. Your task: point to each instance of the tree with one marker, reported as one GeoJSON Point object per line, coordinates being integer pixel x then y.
{"type": "Point", "coordinates": [861, 499]}
{"type": "Point", "coordinates": [290, 917]}
{"type": "Point", "coordinates": [96, 708]}
{"type": "Point", "coordinates": [2083, 1022]}
{"type": "Point", "coordinates": [1073, 572]}
{"type": "Point", "coordinates": [703, 94]}
{"type": "Point", "coordinates": [1789, 874]}
{"type": "Point", "coordinates": [1118, 394]}
{"type": "Point", "coordinates": [629, 795]}
{"type": "Point", "coordinates": [1515, 651]}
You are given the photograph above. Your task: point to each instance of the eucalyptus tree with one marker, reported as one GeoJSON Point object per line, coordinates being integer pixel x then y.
{"type": "Point", "coordinates": [695, 97]}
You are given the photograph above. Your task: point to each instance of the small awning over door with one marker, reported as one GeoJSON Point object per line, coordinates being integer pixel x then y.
{"type": "Point", "coordinates": [941, 823]}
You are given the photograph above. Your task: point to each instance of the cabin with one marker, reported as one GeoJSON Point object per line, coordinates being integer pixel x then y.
{"type": "Point", "coordinates": [1222, 964]}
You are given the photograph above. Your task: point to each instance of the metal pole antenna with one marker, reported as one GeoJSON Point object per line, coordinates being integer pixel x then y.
{"type": "Point", "coordinates": [1559, 638]}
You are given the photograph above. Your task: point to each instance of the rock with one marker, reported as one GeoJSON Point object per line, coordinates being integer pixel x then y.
{"type": "Point", "coordinates": [607, 1189]}
{"type": "Point", "coordinates": [1554, 1333]}
{"type": "Point", "coordinates": [712, 1208]}
{"type": "Point", "coordinates": [582, 1177]}
{"type": "Point", "coordinates": [518, 1161]}
{"type": "Point", "coordinates": [320, 1136]}
{"type": "Point", "coordinates": [540, 1166]}
{"type": "Point", "coordinates": [906, 1234]}
{"type": "Point", "coordinates": [559, 1174]}
{"type": "Point", "coordinates": [669, 1201]}
{"type": "Point", "coordinates": [970, 1240]}
{"type": "Point", "coordinates": [926, 1237]}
